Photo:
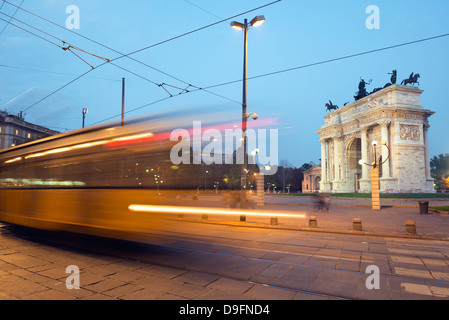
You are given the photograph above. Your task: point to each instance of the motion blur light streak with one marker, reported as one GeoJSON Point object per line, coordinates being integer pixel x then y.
{"type": "Point", "coordinates": [135, 137]}
{"type": "Point", "coordinates": [14, 160]}
{"type": "Point", "coordinates": [196, 210]}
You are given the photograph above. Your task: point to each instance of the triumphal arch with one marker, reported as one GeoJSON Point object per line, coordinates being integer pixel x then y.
{"type": "Point", "coordinates": [393, 115]}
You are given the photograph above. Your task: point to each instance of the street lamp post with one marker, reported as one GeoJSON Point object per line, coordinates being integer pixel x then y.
{"type": "Point", "coordinates": [258, 20]}
{"type": "Point", "coordinates": [205, 180]}
{"type": "Point", "coordinates": [375, 195]}
{"type": "Point", "coordinates": [84, 115]}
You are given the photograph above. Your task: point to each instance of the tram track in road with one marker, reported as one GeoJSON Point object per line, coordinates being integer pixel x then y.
{"type": "Point", "coordinates": [218, 250]}
{"type": "Point", "coordinates": [98, 245]}
{"type": "Point", "coordinates": [366, 260]}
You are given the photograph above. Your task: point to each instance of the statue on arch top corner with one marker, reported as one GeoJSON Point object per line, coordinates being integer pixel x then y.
{"type": "Point", "coordinates": [413, 79]}
{"type": "Point", "coordinates": [330, 106]}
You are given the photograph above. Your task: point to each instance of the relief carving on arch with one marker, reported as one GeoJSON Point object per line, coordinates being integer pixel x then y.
{"type": "Point", "coordinates": [410, 132]}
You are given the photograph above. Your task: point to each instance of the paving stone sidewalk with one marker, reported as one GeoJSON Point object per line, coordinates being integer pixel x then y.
{"type": "Point", "coordinates": [389, 221]}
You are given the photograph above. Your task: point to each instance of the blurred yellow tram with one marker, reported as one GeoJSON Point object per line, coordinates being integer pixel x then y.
{"type": "Point", "coordinates": [84, 181]}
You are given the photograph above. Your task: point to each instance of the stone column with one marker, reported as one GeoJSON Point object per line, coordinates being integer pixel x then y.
{"type": "Point", "coordinates": [365, 168]}
{"type": "Point", "coordinates": [426, 150]}
{"type": "Point", "coordinates": [330, 160]}
{"type": "Point", "coordinates": [386, 137]}
{"type": "Point", "coordinates": [337, 158]}
{"type": "Point", "coordinates": [323, 161]}
{"type": "Point", "coordinates": [343, 159]}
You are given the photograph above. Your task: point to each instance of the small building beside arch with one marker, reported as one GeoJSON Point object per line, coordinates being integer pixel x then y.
{"type": "Point", "coordinates": [311, 180]}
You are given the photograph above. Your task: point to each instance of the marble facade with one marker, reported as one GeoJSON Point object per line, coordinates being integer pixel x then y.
{"type": "Point", "coordinates": [393, 114]}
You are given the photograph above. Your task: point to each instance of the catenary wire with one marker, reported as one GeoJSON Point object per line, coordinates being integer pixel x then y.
{"type": "Point", "coordinates": [207, 11]}
{"type": "Point", "coordinates": [193, 31]}
{"type": "Point", "coordinates": [34, 34]}
{"type": "Point", "coordinates": [94, 41]}
{"type": "Point", "coordinates": [146, 48]}
{"type": "Point", "coordinates": [328, 61]}
{"type": "Point", "coordinates": [54, 72]}
{"type": "Point", "coordinates": [302, 67]}
{"type": "Point", "coordinates": [143, 49]}
{"type": "Point", "coordinates": [71, 46]}
{"type": "Point", "coordinates": [17, 9]}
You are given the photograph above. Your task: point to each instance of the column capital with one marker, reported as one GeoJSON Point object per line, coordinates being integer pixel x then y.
{"type": "Point", "coordinates": [384, 123]}
{"type": "Point", "coordinates": [338, 138]}
{"type": "Point", "coordinates": [364, 129]}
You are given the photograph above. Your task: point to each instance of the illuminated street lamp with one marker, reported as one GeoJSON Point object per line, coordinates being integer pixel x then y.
{"type": "Point", "coordinates": [257, 21]}
{"type": "Point", "coordinates": [205, 180]}
{"type": "Point", "coordinates": [375, 173]}
{"type": "Point", "coordinates": [84, 115]}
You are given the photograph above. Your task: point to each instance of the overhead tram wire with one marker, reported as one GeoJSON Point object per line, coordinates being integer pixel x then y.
{"type": "Point", "coordinates": [328, 61]}
{"type": "Point", "coordinates": [17, 9]}
{"type": "Point", "coordinates": [207, 11]}
{"type": "Point", "coordinates": [69, 46]}
{"type": "Point", "coordinates": [302, 67]}
{"type": "Point", "coordinates": [143, 49]}
{"type": "Point", "coordinates": [193, 31]}
{"type": "Point", "coordinates": [132, 110]}
{"type": "Point", "coordinates": [128, 55]}
{"type": "Point", "coordinates": [65, 48]}
{"type": "Point", "coordinates": [94, 41]}
{"type": "Point", "coordinates": [54, 72]}
{"type": "Point", "coordinates": [151, 67]}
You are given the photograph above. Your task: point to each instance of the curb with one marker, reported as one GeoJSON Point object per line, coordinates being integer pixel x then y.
{"type": "Point", "coordinates": [340, 205]}
{"type": "Point", "coordinates": [439, 212]}
{"type": "Point", "coordinates": [317, 230]}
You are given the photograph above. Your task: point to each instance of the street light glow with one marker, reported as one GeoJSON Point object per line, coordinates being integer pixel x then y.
{"type": "Point", "coordinates": [237, 25]}
{"type": "Point", "coordinates": [257, 21]}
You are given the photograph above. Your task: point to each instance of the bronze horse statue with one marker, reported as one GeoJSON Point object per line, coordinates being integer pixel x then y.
{"type": "Point", "coordinates": [330, 106]}
{"type": "Point", "coordinates": [412, 79]}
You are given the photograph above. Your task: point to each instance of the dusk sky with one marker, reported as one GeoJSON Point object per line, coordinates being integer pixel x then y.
{"type": "Point", "coordinates": [296, 33]}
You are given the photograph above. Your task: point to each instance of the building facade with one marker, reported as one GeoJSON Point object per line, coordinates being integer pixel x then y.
{"type": "Point", "coordinates": [393, 115]}
{"type": "Point", "coordinates": [14, 131]}
{"type": "Point", "coordinates": [311, 180]}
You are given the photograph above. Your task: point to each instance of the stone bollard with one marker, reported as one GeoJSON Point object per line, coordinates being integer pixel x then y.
{"type": "Point", "coordinates": [410, 227]}
{"type": "Point", "coordinates": [274, 221]}
{"type": "Point", "coordinates": [312, 222]}
{"type": "Point", "coordinates": [357, 224]}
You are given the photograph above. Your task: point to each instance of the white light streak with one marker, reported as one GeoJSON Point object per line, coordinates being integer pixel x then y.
{"type": "Point", "coordinates": [211, 211]}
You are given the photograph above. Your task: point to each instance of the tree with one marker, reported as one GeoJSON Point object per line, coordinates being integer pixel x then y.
{"type": "Point", "coordinates": [445, 183]}
{"type": "Point", "coordinates": [307, 166]}
{"type": "Point", "coordinates": [439, 168]}
{"type": "Point", "coordinates": [285, 171]}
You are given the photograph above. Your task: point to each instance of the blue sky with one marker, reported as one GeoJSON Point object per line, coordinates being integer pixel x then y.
{"type": "Point", "coordinates": [295, 33]}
